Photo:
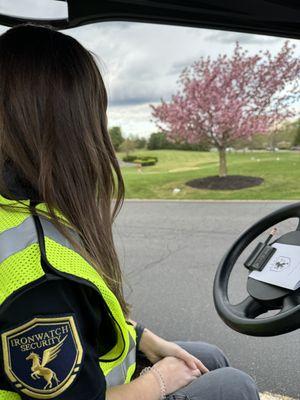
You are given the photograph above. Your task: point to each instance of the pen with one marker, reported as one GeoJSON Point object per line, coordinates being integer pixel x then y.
{"type": "Point", "coordinates": [272, 233]}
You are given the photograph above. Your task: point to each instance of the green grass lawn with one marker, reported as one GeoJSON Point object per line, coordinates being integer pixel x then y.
{"type": "Point", "coordinates": [280, 170]}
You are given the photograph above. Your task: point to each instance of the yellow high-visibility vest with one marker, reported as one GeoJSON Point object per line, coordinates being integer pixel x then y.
{"type": "Point", "coordinates": [20, 265]}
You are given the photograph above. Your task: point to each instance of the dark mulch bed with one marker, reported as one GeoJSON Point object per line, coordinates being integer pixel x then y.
{"type": "Point", "coordinates": [230, 182]}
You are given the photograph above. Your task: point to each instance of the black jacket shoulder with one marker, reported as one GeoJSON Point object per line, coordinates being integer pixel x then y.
{"type": "Point", "coordinates": [57, 317]}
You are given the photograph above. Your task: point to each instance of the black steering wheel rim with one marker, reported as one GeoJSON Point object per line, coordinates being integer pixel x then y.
{"type": "Point", "coordinates": [237, 316]}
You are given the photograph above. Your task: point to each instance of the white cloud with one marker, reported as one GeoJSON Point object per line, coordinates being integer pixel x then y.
{"type": "Point", "coordinates": [133, 119]}
{"type": "Point", "coordinates": [34, 9]}
{"type": "Point", "coordinates": [141, 62]}
{"type": "Point", "coordinates": [243, 38]}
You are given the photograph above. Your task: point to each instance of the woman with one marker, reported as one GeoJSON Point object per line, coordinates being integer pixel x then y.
{"type": "Point", "coordinates": [64, 323]}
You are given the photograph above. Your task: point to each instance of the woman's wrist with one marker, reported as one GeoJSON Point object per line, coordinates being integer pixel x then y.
{"type": "Point", "coordinates": [143, 387]}
{"type": "Point", "coordinates": [160, 379]}
{"type": "Point", "coordinates": [153, 383]}
{"type": "Point", "coordinates": [147, 341]}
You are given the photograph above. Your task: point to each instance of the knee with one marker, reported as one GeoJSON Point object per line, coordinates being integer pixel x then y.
{"type": "Point", "coordinates": [237, 385]}
{"type": "Point", "coordinates": [218, 357]}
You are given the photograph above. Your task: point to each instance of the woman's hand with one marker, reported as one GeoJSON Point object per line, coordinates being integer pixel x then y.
{"type": "Point", "coordinates": [176, 374]}
{"type": "Point", "coordinates": [155, 348]}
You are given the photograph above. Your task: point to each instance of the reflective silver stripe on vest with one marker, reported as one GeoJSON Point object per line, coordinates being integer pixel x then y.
{"type": "Point", "coordinates": [18, 238]}
{"type": "Point", "coordinates": [118, 374]}
{"type": "Point", "coordinates": [51, 231]}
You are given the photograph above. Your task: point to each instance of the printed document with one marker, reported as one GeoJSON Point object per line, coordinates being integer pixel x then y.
{"type": "Point", "coordinates": [283, 268]}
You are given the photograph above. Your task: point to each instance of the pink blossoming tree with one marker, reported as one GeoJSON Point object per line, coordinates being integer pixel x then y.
{"type": "Point", "coordinates": [227, 98]}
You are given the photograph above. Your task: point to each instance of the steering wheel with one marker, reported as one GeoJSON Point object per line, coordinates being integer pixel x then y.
{"type": "Point", "coordinates": [262, 297]}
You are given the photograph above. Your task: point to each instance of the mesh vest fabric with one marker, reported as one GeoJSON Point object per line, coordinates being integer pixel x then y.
{"type": "Point", "coordinates": [24, 267]}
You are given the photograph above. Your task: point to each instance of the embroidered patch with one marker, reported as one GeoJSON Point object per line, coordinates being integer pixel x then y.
{"type": "Point", "coordinates": [43, 356]}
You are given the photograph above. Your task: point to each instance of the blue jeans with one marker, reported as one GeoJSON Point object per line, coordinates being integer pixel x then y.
{"type": "Point", "coordinates": [222, 382]}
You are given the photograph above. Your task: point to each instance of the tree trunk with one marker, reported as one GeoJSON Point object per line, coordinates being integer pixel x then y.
{"type": "Point", "coordinates": [222, 162]}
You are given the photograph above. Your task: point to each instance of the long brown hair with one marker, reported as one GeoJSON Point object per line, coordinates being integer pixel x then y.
{"type": "Point", "coordinates": [53, 128]}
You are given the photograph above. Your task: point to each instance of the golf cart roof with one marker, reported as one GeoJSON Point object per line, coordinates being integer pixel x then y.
{"type": "Point", "coordinates": [269, 17]}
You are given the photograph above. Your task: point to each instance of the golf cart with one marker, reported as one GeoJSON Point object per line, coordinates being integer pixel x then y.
{"type": "Point", "coordinates": [279, 18]}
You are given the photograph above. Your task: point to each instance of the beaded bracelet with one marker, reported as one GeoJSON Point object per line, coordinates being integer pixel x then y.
{"type": "Point", "coordinates": [160, 378]}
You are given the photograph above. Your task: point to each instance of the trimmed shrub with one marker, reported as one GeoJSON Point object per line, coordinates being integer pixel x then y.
{"type": "Point", "coordinates": [143, 160]}
{"type": "Point", "coordinates": [129, 158]}
{"type": "Point", "coordinates": [148, 163]}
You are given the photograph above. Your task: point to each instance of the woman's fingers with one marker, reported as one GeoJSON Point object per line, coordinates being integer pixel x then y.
{"type": "Point", "coordinates": [191, 361]}
{"type": "Point", "coordinates": [201, 366]}
{"type": "Point", "coordinates": [196, 372]}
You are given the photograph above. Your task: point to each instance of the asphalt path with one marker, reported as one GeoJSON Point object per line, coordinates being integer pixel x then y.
{"type": "Point", "coordinates": [169, 252]}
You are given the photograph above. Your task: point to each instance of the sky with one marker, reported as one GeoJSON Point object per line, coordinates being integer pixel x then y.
{"type": "Point", "coordinates": [141, 62]}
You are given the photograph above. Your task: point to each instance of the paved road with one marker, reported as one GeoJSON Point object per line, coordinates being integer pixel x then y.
{"type": "Point", "coordinates": [169, 252]}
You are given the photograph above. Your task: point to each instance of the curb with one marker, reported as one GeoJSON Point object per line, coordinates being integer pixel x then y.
{"type": "Point", "coordinates": [272, 396]}
{"type": "Point", "coordinates": [211, 201]}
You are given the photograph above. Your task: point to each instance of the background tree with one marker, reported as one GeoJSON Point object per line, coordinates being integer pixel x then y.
{"type": "Point", "coordinates": [157, 141]}
{"type": "Point", "coordinates": [128, 146]}
{"type": "Point", "coordinates": [116, 137]}
{"type": "Point", "coordinates": [140, 142]}
{"type": "Point", "coordinates": [227, 98]}
{"type": "Point", "coordinates": [283, 138]}
{"type": "Point", "coordinates": [297, 135]}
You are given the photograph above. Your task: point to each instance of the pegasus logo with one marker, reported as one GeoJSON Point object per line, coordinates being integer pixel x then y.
{"type": "Point", "coordinates": [43, 356]}
{"type": "Point", "coordinates": [39, 368]}
{"type": "Point", "coordinates": [281, 263]}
